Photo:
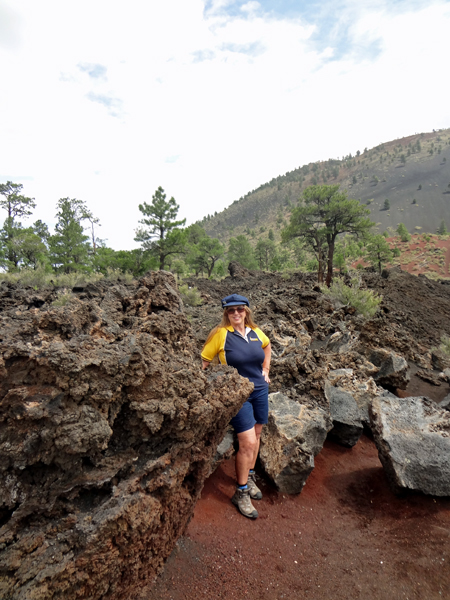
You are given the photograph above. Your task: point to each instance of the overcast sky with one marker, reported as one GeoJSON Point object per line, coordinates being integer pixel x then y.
{"type": "Point", "coordinates": [105, 100]}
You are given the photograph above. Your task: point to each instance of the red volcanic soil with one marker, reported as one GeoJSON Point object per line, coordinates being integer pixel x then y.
{"type": "Point", "coordinates": [345, 537]}
{"type": "Point", "coordinates": [422, 256]}
{"type": "Point", "coordinates": [419, 256]}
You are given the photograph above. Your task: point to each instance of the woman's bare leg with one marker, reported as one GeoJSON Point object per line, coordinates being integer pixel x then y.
{"type": "Point", "coordinates": [247, 453]}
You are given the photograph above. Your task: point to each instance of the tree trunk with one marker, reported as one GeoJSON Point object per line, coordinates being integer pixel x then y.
{"type": "Point", "coordinates": [330, 263]}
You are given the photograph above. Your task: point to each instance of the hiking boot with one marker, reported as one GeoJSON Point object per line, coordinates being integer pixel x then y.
{"type": "Point", "coordinates": [255, 492]}
{"type": "Point", "coordinates": [242, 500]}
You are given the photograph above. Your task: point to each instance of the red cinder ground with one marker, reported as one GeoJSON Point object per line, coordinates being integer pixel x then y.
{"type": "Point", "coordinates": [346, 536]}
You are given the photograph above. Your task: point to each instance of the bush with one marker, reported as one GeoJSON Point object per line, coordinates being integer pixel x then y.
{"type": "Point", "coordinates": [366, 302]}
{"type": "Point", "coordinates": [118, 275]}
{"type": "Point", "coordinates": [63, 298]}
{"type": "Point", "coordinates": [36, 278]}
{"type": "Point", "coordinates": [190, 296]}
{"type": "Point", "coordinates": [40, 277]}
{"type": "Point", "coordinates": [445, 344]}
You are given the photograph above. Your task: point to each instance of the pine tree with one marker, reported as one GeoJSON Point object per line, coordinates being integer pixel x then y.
{"type": "Point", "coordinates": [161, 235]}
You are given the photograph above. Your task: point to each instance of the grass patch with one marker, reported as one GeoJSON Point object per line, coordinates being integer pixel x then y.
{"type": "Point", "coordinates": [40, 278]}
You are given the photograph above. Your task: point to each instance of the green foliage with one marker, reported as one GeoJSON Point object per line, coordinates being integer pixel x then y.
{"type": "Point", "coordinates": [161, 234]}
{"type": "Point", "coordinates": [178, 267]}
{"type": "Point", "coordinates": [63, 298]}
{"type": "Point", "coordinates": [325, 214]}
{"type": "Point", "coordinates": [265, 252]}
{"type": "Point", "coordinates": [190, 296]}
{"type": "Point", "coordinates": [17, 207]}
{"type": "Point", "coordinates": [378, 252]}
{"type": "Point", "coordinates": [442, 228]}
{"type": "Point", "coordinates": [366, 302]}
{"type": "Point", "coordinates": [118, 275]}
{"type": "Point", "coordinates": [36, 278]}
{"type": "Point", "coordinates": [241, 251]}
{"type": "Point", "coordinates": [387, 204]}
{"type": "Point", "coordinates": [204, 255]}
{"type": "Point", "coordinates": [445, 344]}
{"type": "Point", "coordinates": [312, 264]}
{"type": "Point", "coordinates": [396, 252]}
{"type": "Point", "coordinates": [403, 233]}
{"type": "Point", "coordinates": [339, 262]}
{"type": "Point", "coordinates": [136, 261]}
{"type": "Point", "coordinates": [69, 248]}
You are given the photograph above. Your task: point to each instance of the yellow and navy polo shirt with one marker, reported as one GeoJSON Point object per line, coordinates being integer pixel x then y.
{"type": "Point", "coordinates": [245, 355]}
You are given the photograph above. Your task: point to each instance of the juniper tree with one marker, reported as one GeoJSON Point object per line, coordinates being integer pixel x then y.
{"type": "Point", "coordinates": [324, 214]}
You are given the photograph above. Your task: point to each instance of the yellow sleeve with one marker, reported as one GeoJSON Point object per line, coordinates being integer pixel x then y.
{"type": "Point", "coordinates": [212, 348]}
{"type": "Point", "coordinates": [262, 336]}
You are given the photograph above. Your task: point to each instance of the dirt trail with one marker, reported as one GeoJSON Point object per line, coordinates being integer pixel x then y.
{"type": "Point", "coordinates": [346, 536]}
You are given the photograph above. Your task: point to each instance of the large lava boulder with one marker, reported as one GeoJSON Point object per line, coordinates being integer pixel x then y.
{"type": "Point", "coordinates": [412, 437]}
{"type": "Point", "coordinates": [293, 437]}
{"type": "Point", "coordinates": [108, 429]}
{"type": "Point", "coordinates": [347, 424]}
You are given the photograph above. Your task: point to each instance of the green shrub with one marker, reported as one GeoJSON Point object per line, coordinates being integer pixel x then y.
{"type": "Point", "coordinates": [366, 302]}
{"type": "Point", "coordinates": [445, 344]}
{"type": "Point", "coordinates": [118, 275]}
{"type": "Point", "coordinates": [36, 278]}
{"type": "Point", "coordinates": [190, 296]}
{"type": "Point", "coordinates": [63, 298]}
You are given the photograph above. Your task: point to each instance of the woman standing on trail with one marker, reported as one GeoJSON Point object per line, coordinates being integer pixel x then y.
{"type": "Point", "coordinates": [241, 344]}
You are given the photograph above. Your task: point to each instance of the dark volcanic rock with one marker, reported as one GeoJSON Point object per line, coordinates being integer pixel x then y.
{"type": "Point", "coordinates": [294, 435]}
{"type": "Point", "coordinates": [413, 441]}
{"type": "Point", "coordinates": [347, 425]}
{"type": "Point", "coordinates": [108, 428]}
{"type": "Point", "coordinates": [393, 369]}
{"type": "Point", "coordinates": [445, 403]}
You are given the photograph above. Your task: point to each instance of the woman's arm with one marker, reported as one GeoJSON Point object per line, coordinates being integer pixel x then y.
{"type": "Point", "coordinates": [266, 364]}
{"type": "Point", "coordinates": [205, 364]}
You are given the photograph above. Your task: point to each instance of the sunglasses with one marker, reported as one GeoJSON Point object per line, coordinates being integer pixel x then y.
{"type": "Point", "coordinates": [239, 309]}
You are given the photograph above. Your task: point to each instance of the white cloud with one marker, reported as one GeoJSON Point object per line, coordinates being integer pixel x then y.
{"type": "Point", "coordinates": [105, 101]}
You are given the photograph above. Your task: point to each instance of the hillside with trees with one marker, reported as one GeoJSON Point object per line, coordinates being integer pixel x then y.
{"type": "Point", "coordinates": [403, 181]}
{"type": "Point", "coordinates": [327, 216]}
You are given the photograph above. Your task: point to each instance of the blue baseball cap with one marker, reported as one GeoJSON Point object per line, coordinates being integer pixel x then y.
{"type": "Point", "coordinates": [235, 300]}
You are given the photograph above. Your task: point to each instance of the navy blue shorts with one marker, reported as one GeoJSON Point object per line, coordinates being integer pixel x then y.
{"type": "Point", "coordinates": [254, 410]}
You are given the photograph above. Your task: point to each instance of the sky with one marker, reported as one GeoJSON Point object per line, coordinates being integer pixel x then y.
{"type": "Point", "coordinates": [106, 100]}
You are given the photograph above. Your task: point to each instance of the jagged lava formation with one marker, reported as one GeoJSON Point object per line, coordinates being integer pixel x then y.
{"type": "Point", "coordinates": [108, 429]}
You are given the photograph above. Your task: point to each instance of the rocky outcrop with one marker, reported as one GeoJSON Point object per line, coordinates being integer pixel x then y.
{"type": "Point", "coordinates": [413, 441]}
{"type": "Point", "coordinates": [108, 428]}
{"type": "Point", "coordinates": [293, 437]}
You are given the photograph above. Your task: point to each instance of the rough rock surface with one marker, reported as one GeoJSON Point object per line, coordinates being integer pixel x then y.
{"type": "Point", "coordinates": [393, 369]}
{"type": "Point", "coordinates": [445, 403]}
{"type": "Point", "coordinates": [413, 441]}
{"type": "Point", "coordinates": [107, 431]}
{"type": "Point", "coordinates": [294, 435]}
{"type": "Point", "coordinates": [359, 383]}
{"type": "Point", "coordinates": [346, 416]}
